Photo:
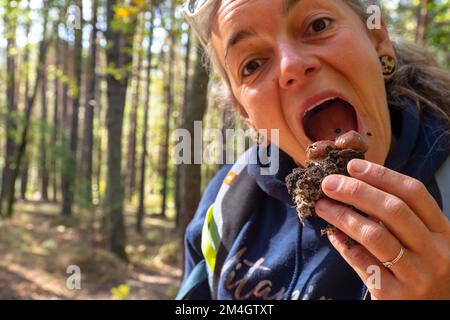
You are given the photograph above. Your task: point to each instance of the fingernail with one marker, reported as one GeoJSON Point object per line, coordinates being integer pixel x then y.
{"type": "Point", "coordinates": [358, 166]}
{"type": "Point", "coordinates": [332, 237]}
{"type": "Point", "coordinates": [331, 230]}
{"type": "Point", "coordinates": [331, 183]}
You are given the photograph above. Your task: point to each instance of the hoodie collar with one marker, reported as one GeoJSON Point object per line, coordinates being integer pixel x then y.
{"type": "Point", "coordinates": [423, 141]}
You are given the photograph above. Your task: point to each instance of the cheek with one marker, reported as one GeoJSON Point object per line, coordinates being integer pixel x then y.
{"type": "Point", "coordinates": [262, 106]}
{"type": "Point", "coordinates": [379, 147]}
{"type": "Point", "coordinates": [360, 66]}
{"type": "Point", "coordinates": [264, 110]}
{"type": "Point", "coordinates": [354, 55]}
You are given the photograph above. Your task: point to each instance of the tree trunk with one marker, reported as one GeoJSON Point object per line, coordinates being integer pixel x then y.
{"type": "Point", "coordinates": [168, 88]}
{"type": "Point", "coordinates": [43, 168]}
{"type": "Point", "coordinates": [65, 108]}
{"type": "Point", "coordinates": [190, 174]}
{"type": "Point", "coordinates": [24, 179]}
{"type": "Point", "coordinates": [422, 23]}
{"type": "Point", "coordinates": [10, 22]}
{"type": "Point", "coordinates": [70, 166]}
{"type": "Point", "coordinates": [56, 120]}
{"type": "Point", "coordinates": [28, 109]}
{"type": "Point", "coordinates": [187, 61]}
{"type": "Point", "coordinates": [131, 159]}
{"type": "Point", "coordinates": [26, 62]}
{"type": "Point", "coordinates": [118, 55]}
{"type": "Point", "coordinates": [141, 206]}
{"type": "Point", "coordinates": [86, 157]}
{"type": "Point", "coordinates": [98, 113]}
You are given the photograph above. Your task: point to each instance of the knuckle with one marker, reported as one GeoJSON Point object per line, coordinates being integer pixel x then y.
{"type": "Point", "coordinates": [414, 187]}
{"type": "Point", "coordinates": [353, 188]}
{"type": "Point", "coordinates": [340, 215]}
{"type": "Point", "coordinates": [373, 235]}
{"type": "Point", "coordinates": [379, 172]}
{"type": "Point", "coordinates": [395, 207]}
{"type": "Point", "coordinates": [358, 253]}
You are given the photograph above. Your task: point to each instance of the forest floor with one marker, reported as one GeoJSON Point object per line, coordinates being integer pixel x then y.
{"type": "Point", "coordinates": [37, 245]}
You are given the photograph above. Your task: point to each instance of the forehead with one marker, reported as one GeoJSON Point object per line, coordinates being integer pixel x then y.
{"type": "Point", "coordinates": [227, 6]}
{"type": "Point", "coordinates": [229, 11]}
{"type": "Point", "coordinates": [237, 19]}
{"type": "Point", "coordinates": [240, 15]}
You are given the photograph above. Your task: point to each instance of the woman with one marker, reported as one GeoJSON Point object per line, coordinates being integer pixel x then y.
{"type": "Point", "coordinates": [313, 69]}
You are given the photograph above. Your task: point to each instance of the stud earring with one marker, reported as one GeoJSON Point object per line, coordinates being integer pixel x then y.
{"type": "Point", "coordinates": [388, 65]}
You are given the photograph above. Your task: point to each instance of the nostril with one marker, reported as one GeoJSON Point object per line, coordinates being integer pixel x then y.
{"type": "Point", "coordinates": [291, 81]}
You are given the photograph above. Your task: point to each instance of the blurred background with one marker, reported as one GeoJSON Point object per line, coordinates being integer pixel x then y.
{"type": "Point", "coordinates": [91, 92]}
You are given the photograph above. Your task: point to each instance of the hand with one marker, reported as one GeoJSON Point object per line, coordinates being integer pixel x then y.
{"type": "Point", "coordinates": [401, 213]}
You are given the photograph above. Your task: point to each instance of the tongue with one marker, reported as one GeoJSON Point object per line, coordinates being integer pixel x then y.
{"type": "Point", "coordinates": [330, 121]}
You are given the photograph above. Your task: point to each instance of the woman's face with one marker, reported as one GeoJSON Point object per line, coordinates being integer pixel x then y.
{"type": "Point", "coordinates": [285, 57]}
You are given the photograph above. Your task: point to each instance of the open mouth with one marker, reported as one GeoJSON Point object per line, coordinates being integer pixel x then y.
{"type": "Point", "coordinates": [329, 119]}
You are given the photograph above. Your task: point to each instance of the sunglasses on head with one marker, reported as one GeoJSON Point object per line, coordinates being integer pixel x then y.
{"type": "Point", "coordinates": [198, 14]}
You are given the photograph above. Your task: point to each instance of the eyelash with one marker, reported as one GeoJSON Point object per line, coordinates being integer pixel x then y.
{"type": "Point", "coordinates": [309, 27]}
{"type": "Point", "coordinates": [320, 19]}
{"type": "Point", "coordinates": [246, 65]}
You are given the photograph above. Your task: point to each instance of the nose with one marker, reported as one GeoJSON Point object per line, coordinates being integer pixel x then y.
{"type": "Point", "coordinates": [296, 67]}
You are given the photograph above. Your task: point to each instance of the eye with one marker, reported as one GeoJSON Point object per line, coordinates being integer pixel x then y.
{"type": "Point", "coordinates": [251, 67]}
{"type": "Point", "coordinates": [318, 25]}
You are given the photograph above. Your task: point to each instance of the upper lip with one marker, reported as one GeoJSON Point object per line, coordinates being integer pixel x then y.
{"type": "Point", "coordinates": [320, 98]}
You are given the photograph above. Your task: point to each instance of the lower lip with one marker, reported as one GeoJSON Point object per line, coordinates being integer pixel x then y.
{"type": "Point", "coordinates": [359, 126]}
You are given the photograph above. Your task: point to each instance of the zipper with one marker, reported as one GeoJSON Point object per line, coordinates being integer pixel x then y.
{"type": "Point", "coordinates": [366, 294]}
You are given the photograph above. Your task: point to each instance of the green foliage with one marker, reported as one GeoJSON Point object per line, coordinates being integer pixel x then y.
{"type": "Point", "coordinates": [402, 18]}
{"type": "Point", "coordinates": [438, 32]}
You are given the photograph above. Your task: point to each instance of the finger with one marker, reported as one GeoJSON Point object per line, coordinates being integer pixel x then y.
{"type": "Point", "coordinates": [368, 268]}
{"type": "Point", "coordinates": [411, 191]}
{"type": "Point", "coordinates": [389, 209]}
{"type": "Point", "coordinates": [373, 236]}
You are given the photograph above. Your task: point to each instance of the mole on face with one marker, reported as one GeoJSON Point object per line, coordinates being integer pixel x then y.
{"type": "Point", "coordinates": [319, 150]}
{"type": "Point", "coordinates": [351, 140]}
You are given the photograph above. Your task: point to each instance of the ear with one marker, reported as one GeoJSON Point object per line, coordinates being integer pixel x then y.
{"type": "Point", "coordinates": [381, 40]}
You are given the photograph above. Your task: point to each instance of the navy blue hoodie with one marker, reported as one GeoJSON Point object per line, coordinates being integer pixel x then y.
{"type": "Point", "coordinates": [276, 257]}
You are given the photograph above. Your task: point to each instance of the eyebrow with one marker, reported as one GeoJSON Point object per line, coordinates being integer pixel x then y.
{"type": "Point", "coordinates": [239, 36]}
{"type": "Point", "coordinates": [236, 38]}
{"type": "Point", "coordinates": [288, 5]}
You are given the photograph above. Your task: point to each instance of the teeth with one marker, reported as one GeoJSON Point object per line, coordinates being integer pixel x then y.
{"type": "Point", "coordinates": [319, 103]}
